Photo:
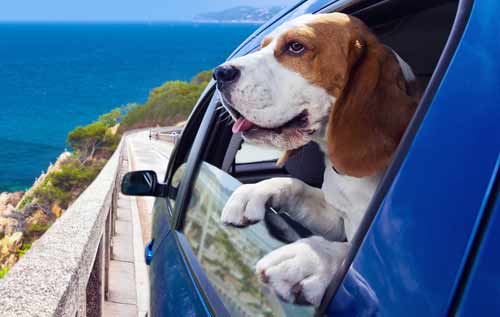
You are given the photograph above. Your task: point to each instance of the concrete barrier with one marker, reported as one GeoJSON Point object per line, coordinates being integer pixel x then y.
{"type": "Point", "coordinates": [65, 273]}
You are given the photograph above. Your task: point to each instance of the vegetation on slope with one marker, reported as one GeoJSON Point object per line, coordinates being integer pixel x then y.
{"type": "Point", "coordinates": [168, 104]}
{"type": "Point", "coordinates": [54, 191]}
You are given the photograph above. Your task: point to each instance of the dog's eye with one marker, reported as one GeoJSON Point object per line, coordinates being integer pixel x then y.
{"type": "Point", "coordinates": [296, 48]}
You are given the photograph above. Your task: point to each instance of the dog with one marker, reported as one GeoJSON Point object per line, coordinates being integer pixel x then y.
{"type": "Point", "coordinates": [327, 79]}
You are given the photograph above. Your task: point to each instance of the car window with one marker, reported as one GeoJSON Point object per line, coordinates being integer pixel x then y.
{"type": "Point", "coordinates": [228, 255]}
{"type": "Point", "coordinates": [251, 153]}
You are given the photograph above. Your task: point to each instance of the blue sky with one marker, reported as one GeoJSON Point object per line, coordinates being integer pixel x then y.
{"type": "Point", "coordinates": [118, 10]}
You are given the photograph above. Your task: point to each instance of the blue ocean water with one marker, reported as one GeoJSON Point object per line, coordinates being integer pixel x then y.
{"type": "Point", "coordinates": [54, 77]}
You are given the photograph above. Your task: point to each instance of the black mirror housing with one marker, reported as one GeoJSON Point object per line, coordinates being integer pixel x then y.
{"type": "Point", "coordinates": [142, 183]}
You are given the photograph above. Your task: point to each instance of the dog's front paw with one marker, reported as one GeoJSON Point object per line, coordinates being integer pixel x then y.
{"type": "Point", "coordinates": [300, 272]}
{"type": "Point", "coordinates": [246, 206]}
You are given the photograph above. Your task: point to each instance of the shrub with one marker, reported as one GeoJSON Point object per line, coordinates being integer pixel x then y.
{"type": "Point", "coordinates": [4, 271]}
{"type": "Point", "coordinates": [25, 248]}
{"type": "Point", "coordinates": [202, 78]}
{"type": "Point", "coordinates": [26, 200]}
{"type": "Point", "coordinates": [167, 104]}
{"type": "Point", "coordinates": [111, 118]}
{"type": "Point", "coordinates": [38, 228]}
{"type": "Point", "coordinates": [67, 183]}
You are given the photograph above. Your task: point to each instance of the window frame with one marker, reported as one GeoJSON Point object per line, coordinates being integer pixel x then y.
{"type": "Point", "coordinates": [192, 162]}
{"type": "Point", "coordinates": [181, 153]}
{"type": "Point", "coordinates": [247, 172]}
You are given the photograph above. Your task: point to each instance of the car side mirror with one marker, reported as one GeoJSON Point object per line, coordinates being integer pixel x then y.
{"type": "Point", "coordinates": [143, 183]}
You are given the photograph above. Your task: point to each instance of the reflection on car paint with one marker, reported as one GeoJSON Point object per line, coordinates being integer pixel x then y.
{"type": "Point", "coordinates": [355, 298]}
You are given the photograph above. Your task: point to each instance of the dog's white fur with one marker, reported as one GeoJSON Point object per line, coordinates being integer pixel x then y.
{"type": "Point", "coordinates": [270, 95]}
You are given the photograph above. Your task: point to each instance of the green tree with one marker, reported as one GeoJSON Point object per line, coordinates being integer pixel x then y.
{"type": "Point", "coordinates": [111, 118]}
{"type": "Point", "coordinates": [87, 139]}
{"type": "Point", "coordinates": [202, 78]}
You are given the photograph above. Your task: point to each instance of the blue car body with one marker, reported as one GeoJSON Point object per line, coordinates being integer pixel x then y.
{"type": "Point", "coordinates": [431, 247]}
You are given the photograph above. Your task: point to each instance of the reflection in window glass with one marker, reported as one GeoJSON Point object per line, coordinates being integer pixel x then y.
{"type": "Point", "coordinates": [176, 181]}
{"type": "Point", "coordinates": [228, 255]}
{"type": "Point", "coordinates": [251, 153]}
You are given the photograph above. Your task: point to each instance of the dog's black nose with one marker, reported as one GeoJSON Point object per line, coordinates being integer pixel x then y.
{"type": "Point", "coordinates": [226, 74]}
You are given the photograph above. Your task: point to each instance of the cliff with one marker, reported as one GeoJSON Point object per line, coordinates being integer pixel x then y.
{"type": "Point", "coordinates": [24, 217]}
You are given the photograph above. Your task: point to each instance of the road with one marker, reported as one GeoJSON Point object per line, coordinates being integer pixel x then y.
{"type": "Point", "coordinates": [146, 154]}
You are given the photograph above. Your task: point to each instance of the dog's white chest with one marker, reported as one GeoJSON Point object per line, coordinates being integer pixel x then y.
{"type": "Point", "coordinates": [350, 195]}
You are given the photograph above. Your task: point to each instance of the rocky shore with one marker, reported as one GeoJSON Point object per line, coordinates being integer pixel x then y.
{"type": "Point", "coordinates": [23, 221]}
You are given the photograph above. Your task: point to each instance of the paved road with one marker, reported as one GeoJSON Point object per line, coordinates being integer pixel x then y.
{"type": "Point", "coordinates": [149, 154]}
{"type": "Point", "coordinates": [146, 154]}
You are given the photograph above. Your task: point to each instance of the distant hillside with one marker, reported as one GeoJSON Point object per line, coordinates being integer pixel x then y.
{"type": "Point", "coordinates": [242, 14]}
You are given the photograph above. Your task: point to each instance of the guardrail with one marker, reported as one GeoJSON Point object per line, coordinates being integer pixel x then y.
{"type": "Point", "coordinates": [66, 271]}
{"type": "Point", "coordinates": [169, 138]}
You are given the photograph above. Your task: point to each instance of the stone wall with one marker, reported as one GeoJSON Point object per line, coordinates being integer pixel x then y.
{"type": "Point", "coordinates": [63, 273]}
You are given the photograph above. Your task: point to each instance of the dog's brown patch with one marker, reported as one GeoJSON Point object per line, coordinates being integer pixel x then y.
{"type": "Point", "coordinates": [374, 104]}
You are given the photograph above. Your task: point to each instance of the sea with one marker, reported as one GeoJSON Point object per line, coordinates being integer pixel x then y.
{"type": "Point", "coordinates": [56, 76]}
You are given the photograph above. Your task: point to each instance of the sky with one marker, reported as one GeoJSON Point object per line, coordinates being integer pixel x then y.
{"type": "Point", "coordinates": [119, 10]}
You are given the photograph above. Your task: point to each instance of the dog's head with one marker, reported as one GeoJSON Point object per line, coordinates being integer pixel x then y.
{"type": "Point", "coordinates": [321, 77]}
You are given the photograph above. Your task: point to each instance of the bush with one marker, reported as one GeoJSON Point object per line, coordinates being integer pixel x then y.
{"type": "Point", "coordinates": [4, 271]}
{"type": "Point", "coordinates": [25, 248]}
{"type": "Point", "coordinates": [202, 78]}
{"type": "Point", "coordinates": [110, 119]}
{"type": "Point", "coordinates": [69, 182]}
{"type": "Point", "coordinates": [26, 200]}
{"type": "Point", "coordinates": [167, 104]}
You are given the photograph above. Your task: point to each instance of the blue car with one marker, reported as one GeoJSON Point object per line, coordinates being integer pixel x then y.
{"type": "Point", "coordinates": [429, 244]}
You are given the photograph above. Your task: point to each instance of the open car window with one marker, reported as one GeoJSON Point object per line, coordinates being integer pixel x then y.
{"type": "Point", "coordinates": [251, 153]}
{"type": "Point", "coordinates": [228, 255]}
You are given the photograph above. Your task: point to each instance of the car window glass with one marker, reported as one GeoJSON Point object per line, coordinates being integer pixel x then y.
{"type": "Point", "coordinates": [228, 255]}
{"type": "Point", "coordinates": [176, 181]}
{"type": "Point", "coordinates": [251, 153]}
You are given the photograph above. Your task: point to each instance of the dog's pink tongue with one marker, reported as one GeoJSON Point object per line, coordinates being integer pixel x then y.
{"type": "Point", "coordinates": [241, 125]}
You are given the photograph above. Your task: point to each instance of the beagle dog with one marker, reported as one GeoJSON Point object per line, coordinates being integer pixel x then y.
{"type": "Point", "coordinates": [327, 79]}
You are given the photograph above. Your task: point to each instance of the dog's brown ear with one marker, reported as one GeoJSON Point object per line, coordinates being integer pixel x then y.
{"type": "Point", "coordinates": [372, 112]}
